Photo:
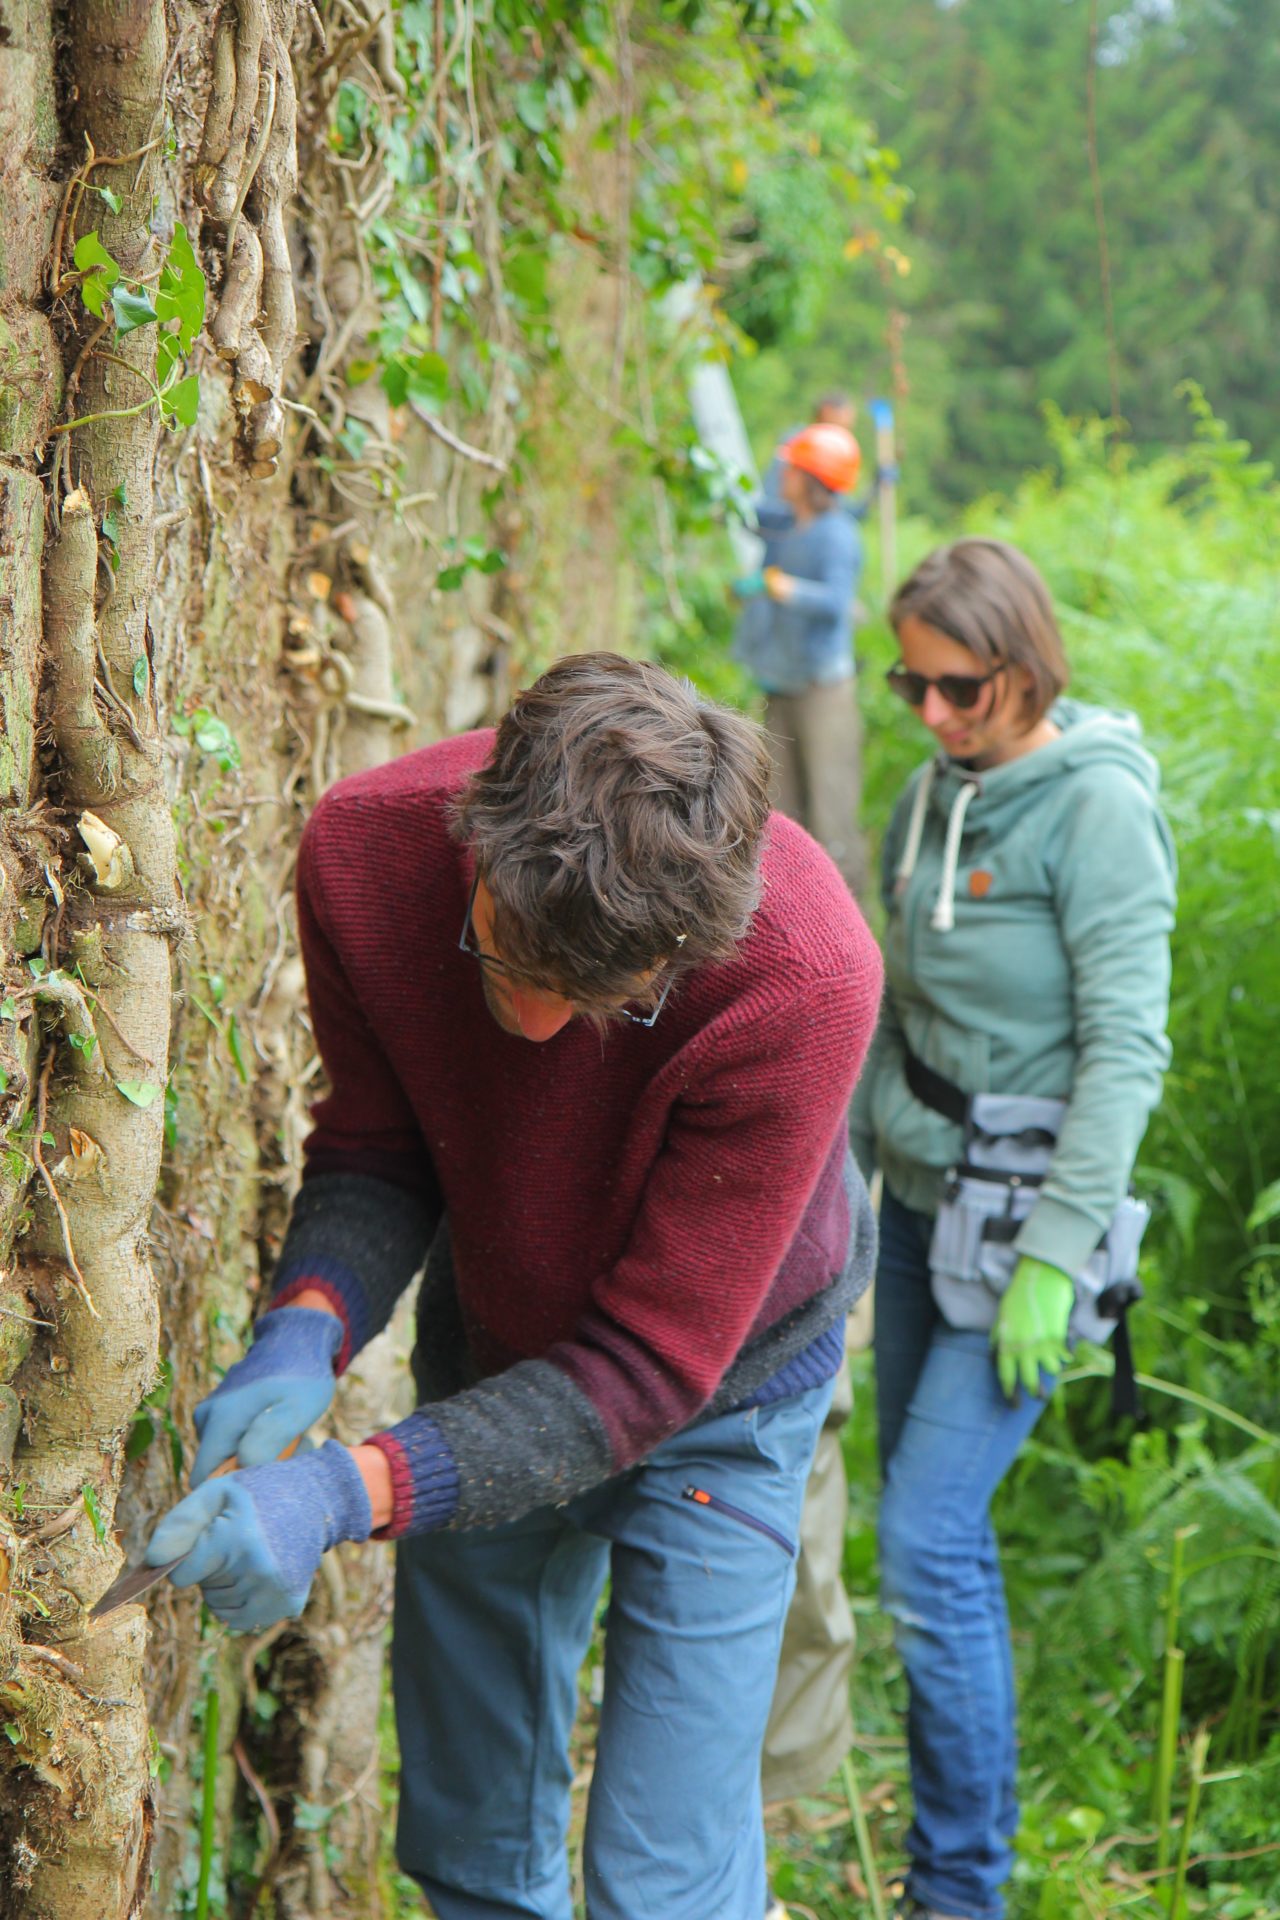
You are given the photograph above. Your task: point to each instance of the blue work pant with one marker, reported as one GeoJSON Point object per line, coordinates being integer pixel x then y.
{"type": "Point", "coordinates": [947, 1438]}
{"type": "Point", "coordinates": [491, 1627]}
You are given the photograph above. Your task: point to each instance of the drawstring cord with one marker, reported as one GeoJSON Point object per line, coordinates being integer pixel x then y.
{"type": "Point", "coordinates": [943, 918]}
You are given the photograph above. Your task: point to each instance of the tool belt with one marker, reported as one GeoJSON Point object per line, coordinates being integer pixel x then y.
{"type": "Point", "coordinates": [1009, 1141]}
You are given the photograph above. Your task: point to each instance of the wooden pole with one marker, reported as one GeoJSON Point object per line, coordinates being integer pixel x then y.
{"type": "Point", "coordinates": [887, 495]}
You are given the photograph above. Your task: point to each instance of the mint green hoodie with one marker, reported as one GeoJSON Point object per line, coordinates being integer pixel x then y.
{"type": "Point", "coordinates": [1027, 951]}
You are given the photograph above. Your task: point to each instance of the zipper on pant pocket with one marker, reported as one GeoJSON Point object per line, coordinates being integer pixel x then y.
{"type": "Point", "coordinates": [702, 1498]}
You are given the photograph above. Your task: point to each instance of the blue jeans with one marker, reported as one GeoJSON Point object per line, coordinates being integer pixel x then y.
{"type": "Point", "coordinates": [947, 1438]}
{"type": "Point", "coordinates": [491, 1627]}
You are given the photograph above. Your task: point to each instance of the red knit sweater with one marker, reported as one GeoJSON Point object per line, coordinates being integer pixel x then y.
{"type": "Point", "coordinates": [632, 1208]}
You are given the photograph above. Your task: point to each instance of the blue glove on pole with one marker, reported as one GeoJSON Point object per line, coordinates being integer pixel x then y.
{"type": "Point", "coordinates": [283, 1384]}
{"type": "Point", "coordinates": [252, 1540]}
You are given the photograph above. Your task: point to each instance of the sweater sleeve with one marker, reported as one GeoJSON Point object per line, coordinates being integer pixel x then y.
{"type": "Point", "coordinates": [772, 516]}
{"type": "Point", "coordinates": [725, 1198]}
{"type": "Point", "coordinates": [1114, 882]}
{"type": "Point", "coordinates": [834, 592]}
{"type": "Point", "coordinates": [369, 1202]}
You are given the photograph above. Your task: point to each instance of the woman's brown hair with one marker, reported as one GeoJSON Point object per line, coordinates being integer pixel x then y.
{"type": "Point", "coordinates": [986, 595]}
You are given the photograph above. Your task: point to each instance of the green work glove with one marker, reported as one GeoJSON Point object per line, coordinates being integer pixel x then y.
{"type": "Point", "coordinates": [748, 586]}
{"type": "Point", "coordinates": [1030, 1332]}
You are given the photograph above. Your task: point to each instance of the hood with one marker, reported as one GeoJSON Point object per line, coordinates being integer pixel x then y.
{"type": "Point", "coordinates": [994, 797]}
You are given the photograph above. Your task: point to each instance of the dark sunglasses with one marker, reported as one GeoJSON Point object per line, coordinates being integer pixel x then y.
{"type": "Point", "coordinates": [468, 943]}
{"type": "Point", "coordinates": [959, 690]}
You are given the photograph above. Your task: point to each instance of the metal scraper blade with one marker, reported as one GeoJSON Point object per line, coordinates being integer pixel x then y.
{"type": "Point", "coordinates": [131, 1585]}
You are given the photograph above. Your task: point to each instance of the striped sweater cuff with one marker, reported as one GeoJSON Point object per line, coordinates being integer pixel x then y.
{"type": "Point", "coordinates": [424, 1477]}
{"type": "Point", "coordinates": [345, 1299]}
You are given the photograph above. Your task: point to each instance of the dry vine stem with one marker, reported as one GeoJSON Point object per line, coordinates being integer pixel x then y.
{"type": "Point", "coordinates": [247, 177]}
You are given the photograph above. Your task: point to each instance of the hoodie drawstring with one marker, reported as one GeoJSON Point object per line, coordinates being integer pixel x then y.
{"type": "Point", "coordinates": [943, 918]}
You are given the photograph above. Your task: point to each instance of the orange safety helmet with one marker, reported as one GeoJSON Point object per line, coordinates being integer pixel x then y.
{"type": "Point", "coordinates": [829, 453]}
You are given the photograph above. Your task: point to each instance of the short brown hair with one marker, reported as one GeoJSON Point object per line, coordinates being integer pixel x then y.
{"type": "Point", "coordinates": [986, 595]}
{"type": "Point", "coordinates": [617, 824]}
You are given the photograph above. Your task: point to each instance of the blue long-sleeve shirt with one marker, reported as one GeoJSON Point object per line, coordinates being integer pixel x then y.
{"type": "Point", "coordinates": [808, 639]}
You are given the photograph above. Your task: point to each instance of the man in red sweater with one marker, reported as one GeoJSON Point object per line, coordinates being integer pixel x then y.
{"type": "Point", "coordinates": [591, 1019]}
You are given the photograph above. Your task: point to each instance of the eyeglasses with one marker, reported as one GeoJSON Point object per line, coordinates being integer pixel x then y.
{"type": "Point", "coordinates": [468, 942]}
{"type": "Point", "coordinates": [959, 690]}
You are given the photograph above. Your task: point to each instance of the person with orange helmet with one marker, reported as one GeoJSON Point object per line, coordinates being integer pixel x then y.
{"type": "Point", "coordinates": [795, 636]}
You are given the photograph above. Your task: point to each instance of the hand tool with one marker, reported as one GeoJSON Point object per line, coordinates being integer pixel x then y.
{"type": "Point", "coordinates": [135, 1581]}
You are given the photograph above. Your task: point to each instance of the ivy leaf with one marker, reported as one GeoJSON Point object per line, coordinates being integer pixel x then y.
{"type": "Point", "coordinates": [214, 735]}
{"type": "Point", "coordinates": [428, 383]}
{"type": "Point", "coordinates": [181, 401]}
{"type": "Point", "coordinates": [1265, 1207]}
{"type": "Point", "coordinates": [94, 1511]}
{"type": "Point", "coordinates": [8, 1008]}
{"type": "Point", "coordinates": [111, 197]}
{"type": "Point", "coordinates": [101, 270]}
{"type": "Point", "coordinates": [141, 674]}
{"type": "Point", "coordinates": [449, 579]}
{"type": "Point", "coordinates": [358, 371]}
{"type": "Point", "coordinates": [531, 105]}
{"type": "Point", "coordinates": [133, 308]}
{"type": "Point", "coordinates": [236, 1050]}
{"type": "Point", "coordinates": [111, 534]}
{"type": "Point", "coordinates": [168, 359]}
{"type": "Point", "coordinates": [12, 1732]}
{"type": "Point", "coordinates": [142, 1093]}
{"type": "Point", "coordinates": [395, 382]}
{"type": "Point", "coordinates": [183, 291]}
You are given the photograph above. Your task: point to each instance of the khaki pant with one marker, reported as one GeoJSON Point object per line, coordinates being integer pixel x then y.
{"type": "Point", "coordinates": [816, 739]}
{"type": "Point", "coordinates": [810, 1729]}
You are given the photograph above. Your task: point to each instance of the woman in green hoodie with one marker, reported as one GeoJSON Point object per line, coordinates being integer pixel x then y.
{"type": "Point", "coordinates": [1029, 884]}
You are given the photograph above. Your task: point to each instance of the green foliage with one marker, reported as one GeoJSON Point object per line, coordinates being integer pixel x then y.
{"type": "Point", "coordinates": [176, 310]}
{"type": "Point", "coordinates": [94, 1511]}
{"type": "Point", "coordinates": [139, 1093]}
{"type": "Point", "coordinates": [211, 735]}
{"type": "Point", "coordinates": [986, 105]}
{"type": "Point", "coordinates": [693, 109]}
{"type": "Point", "coordinates": [154, 1416]}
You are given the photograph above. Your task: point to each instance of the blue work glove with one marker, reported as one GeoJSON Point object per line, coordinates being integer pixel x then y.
{"type": "Point", "coordinates": [1030, 1333]}
{"type": "Point", "coordinates": [283, 1384]}
{"type": "Point", "coordinates": [748, 585]}
{"type": "Point", "coordinates": [252, 1540]}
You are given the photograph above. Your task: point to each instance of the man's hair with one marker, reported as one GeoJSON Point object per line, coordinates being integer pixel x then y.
{"type": "Point", "coordinates": [835, 400]}
{"type": "Point", "coordinates": [618, 827]}
{"type": "Point", "coordinates": [989, 597]}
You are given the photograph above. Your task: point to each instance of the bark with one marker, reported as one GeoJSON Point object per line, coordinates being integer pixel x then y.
{"type": "Point", "coordinates": [79, 1701]}
{"type": "Point", "coordinates": [251, 584]}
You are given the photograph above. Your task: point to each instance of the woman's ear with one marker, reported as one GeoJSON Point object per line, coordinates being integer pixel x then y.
{"type": "Point", "coordinates": [1023, 681]}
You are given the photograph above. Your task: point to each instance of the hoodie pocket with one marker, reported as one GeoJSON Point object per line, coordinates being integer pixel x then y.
{"type": "Point", "coordinates": [713, 1503]}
